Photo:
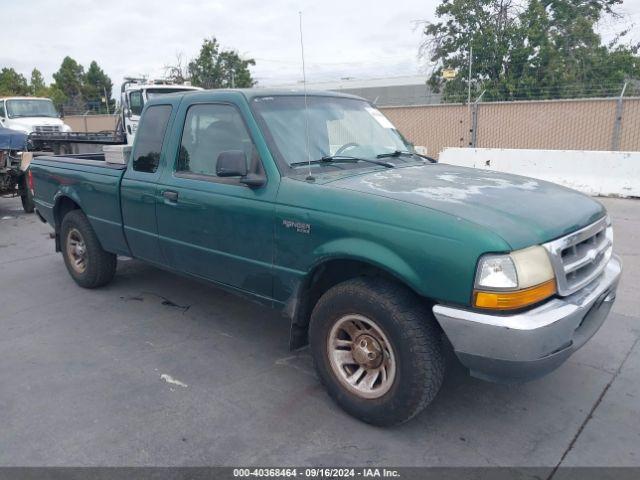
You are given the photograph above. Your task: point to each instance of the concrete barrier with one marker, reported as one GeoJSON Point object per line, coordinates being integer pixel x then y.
{"type": "Point", "coordinates": [591, 172]}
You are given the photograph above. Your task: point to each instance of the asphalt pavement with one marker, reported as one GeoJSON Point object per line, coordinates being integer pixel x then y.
{"type": "Point", "coordinates": [158, 369]}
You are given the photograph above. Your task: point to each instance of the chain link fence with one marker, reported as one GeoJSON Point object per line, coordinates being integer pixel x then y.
{"type": "Point", "coordinates": [567, 124]}
{"type": "Point", "coordinates": [611, 123]}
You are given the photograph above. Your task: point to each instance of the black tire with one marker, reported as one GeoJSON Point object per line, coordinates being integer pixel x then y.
{"type": "Point", "coordinates": [27, 197]}
{"type": "Point", "coordinates": [412, 332]}
{"type": "Point", "coordinates": [99, 265]}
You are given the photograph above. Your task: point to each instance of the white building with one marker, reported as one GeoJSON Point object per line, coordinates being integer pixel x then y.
{"type": "Point", "coordinates": [391, 91]}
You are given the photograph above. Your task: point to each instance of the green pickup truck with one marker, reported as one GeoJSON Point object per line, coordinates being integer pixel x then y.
{"type": "Point", "coordinates": [380, 258]}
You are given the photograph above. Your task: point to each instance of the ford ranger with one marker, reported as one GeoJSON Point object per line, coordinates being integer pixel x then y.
{"type": "Point", "coordinates": [380, 258]}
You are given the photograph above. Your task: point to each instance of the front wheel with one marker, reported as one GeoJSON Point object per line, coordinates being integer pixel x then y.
{"type": "Point", "coordinates": [377, 349]}
{"type": "Point", "coordinates": [88, 264]}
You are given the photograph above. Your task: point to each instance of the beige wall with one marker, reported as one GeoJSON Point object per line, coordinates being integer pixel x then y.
{"type": "Point", "coordinates": [552, 124]}
{"type": "Point", "coordinates": [91, 123]}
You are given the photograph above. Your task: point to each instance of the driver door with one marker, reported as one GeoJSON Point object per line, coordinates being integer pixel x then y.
{"type": "Point", "coordinates": [211, 226]}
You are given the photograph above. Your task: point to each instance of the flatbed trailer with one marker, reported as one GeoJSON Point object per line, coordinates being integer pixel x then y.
{"type": "Point", "coordinates": [74, 142]}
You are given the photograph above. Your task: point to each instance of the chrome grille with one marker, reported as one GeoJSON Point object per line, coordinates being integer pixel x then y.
{"type": "Point", "coordinates": [578, 258]}
{"type": "Point", "coordinates": [47, 128]}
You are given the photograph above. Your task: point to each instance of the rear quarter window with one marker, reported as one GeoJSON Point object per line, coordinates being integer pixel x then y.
{"type": "Point", "coordinates": [150, 137]}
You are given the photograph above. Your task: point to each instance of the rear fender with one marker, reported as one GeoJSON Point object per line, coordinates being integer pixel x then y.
{"type": "Point", "coordinates": [60, 198]}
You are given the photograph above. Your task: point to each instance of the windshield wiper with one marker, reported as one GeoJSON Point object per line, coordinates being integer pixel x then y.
{"type": "Point", "coordinates": [399, 153]}
{"type": "Point", "coordinates": [396, 153]}
{"type": "Point", "coordinates": [343, 159]}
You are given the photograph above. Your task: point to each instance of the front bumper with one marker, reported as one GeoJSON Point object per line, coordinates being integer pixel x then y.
{"type": "Point", "coordinates": [524, 346]}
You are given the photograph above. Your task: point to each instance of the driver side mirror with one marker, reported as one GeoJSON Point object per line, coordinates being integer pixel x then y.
{"type": "Point", "coordinates": [233, 163]}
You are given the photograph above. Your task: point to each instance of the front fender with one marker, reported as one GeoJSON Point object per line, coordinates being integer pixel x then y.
{"type": "Point", "coordinates": [366, 252]}
{"type": "Point", "coordinates": [369, 252]}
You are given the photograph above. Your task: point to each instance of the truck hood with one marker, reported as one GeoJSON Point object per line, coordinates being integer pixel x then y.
{"type": "Point", "coordinates": [523, 211]}
{"type": "Point", "coordinates": [27, 124]}
{"type": "Point", "coordinates": [12, 139]}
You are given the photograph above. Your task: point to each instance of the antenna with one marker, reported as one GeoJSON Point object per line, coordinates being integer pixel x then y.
{"type": "Point", "coordinates": [306, 108]}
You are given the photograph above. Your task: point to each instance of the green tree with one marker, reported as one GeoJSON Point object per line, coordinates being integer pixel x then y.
{"type": "Point", "coordinates": [13, 83]}
{"type": "Point", "coordinates": [217, 68]}
{"type": "Point", "coordinates": [97, 85]}
{"type": "Point", "coordinates": [69, 80]}
{"type": "Point", "coordinates": [57, 96]}
{"type": "Point", "coordinates": [37, 86]}
{"type": "Point", "coordinates": [530, 49]}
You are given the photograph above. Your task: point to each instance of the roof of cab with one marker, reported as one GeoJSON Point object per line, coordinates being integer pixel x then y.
{"type": "Point", "coordinates": [273, 92]}
{"type": "Point", "coordinates": [250, 93]}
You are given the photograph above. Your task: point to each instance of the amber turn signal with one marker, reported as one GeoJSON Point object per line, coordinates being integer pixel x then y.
{"type": "Point", "coordinates": [514, 299]}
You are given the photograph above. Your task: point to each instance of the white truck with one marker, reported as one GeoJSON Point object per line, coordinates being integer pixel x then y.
{"type": "Point", "coordinates": [135, 92]}
{"type": "Point", "coordinates": [32, 124]}
{"type": "Point", "coordinates": [58, 138]}
{"type": "Point", "coordinates": [31, 115]}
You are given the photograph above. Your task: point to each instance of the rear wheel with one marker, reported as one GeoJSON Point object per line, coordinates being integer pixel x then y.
{"type": "Point", "coordinates": [88, 264]}
{"type": "Point", "coordinates": [377, 349]}
{"type": "Point", "coordinates": [27, 197]}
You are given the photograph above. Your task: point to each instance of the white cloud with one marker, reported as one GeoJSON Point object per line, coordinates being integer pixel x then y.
{"type": "Point", "coordinates": [342, 38]}
{"type": "Point", "coordinates": [356, 38]}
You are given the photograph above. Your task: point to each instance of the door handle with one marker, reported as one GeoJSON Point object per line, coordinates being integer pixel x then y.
{"type": "Point", "coordinates": [170, 195]}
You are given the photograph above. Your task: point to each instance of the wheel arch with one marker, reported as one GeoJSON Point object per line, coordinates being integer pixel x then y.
{"type": "Point", "coordinates": [336, 268]}
{"type": "Point", "coordinates": [64, 203]}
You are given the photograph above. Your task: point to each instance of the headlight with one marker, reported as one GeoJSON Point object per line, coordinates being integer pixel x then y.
{"type": "Point", "coordinates": [497, 271]}
{"type": "Point", "coordinates": [66, 128]}
{"type": "Point", "coordinates": [514, 280]}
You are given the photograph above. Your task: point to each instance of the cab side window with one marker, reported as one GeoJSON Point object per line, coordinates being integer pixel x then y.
{"type": "Point", "coordinates": [136, 102]}
{"type": "Point", "coordinates": [150, 137]}
{"type": "Point", "coordinates": [210, 130]}
{"type": "Point", "coordinates": [2, 112]}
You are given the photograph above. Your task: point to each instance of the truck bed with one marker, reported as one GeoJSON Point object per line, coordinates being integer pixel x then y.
{"type": "Point", "coordinates": [90, 183]}
{"type": "Point", "coordinates": [86, 159]}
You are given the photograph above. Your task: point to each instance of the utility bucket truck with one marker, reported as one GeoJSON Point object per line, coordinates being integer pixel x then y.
{"type": "Point", "coordinates": [134, 95]}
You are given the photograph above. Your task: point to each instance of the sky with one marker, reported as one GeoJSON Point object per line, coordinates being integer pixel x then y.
{"type": "Point", "coordinates": [342, 38]}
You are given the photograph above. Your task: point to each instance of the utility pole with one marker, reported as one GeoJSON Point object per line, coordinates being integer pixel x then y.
{"type": "Point", "coordinates": [469, 80]}
{"type": "Point", "coordinates": [106, 99]}
{"type": "Point", "coordinates": [471, 117]}
{"type": "Point", "coordinates": [617, 125]}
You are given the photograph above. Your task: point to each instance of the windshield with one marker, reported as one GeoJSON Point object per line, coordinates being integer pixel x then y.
{"type": "Point", "coordinates": [30, 108]}
{"type": "Point", "coordinates": [338, 127]}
